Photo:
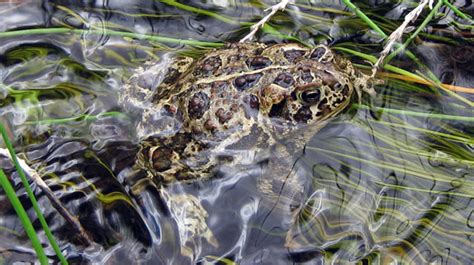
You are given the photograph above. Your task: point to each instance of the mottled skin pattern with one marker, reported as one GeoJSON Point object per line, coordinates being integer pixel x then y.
{"type": "Point", "coordinates": [247, 96]}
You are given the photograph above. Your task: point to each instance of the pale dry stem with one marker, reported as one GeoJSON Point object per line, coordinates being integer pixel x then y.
{"type": "Point", "coordinates": [49, 193]}
{"type": "Point", "coordinates": [254, 28]}
{"type": "Point", "coordinates": [398, 33]}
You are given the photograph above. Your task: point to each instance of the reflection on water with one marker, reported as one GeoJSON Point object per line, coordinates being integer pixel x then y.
{"type": "Point", "coordinates": [389, 180]}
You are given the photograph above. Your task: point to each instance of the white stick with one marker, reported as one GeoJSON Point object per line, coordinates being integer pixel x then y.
{"type": "Point", "coordinates": [254, 28]}
{"type": "Point", "coordinates": [398, 33]}
{"type": "Point", "coordinates": [49, 193]}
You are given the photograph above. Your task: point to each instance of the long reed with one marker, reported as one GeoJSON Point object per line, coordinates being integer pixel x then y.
{"type": "Point", "coordinates": [33, 200]}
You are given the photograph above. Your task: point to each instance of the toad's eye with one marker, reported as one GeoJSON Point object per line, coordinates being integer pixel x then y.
{"type": "Point", "coordinates": [337, 86]}
{"type": "Point", "coordinates": [309, 97]}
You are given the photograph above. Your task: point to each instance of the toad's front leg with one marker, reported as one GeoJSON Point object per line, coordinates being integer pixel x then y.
{"type": "Point", "coordinates": [175, 158]}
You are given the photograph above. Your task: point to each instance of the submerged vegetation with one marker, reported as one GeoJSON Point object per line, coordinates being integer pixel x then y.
{"type": "Point", "coordinates": [391, 179]}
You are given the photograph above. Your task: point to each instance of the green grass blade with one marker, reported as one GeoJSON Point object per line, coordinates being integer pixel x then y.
{"type": "Point", "coordinates": [199, 11]}
{"type": "Point", "coordinates": [373, 59]}
{"type": "Point", "coordinates": [425, 22]}
{"type": "Point", "coordinates": [408, 53]}
{"type": "Point", "coordinates": [397, 70]}
{"type": "Point", "coordinates": [25, 220]}
{"type": "Point", "coordinates": [365, 18]}
{"type": "Point", "coordinates": [457, 11]}
{"type": "Point", "coordinates": [417, 114]}
{"type": "Point", "coordinates": [32, 197]}
{"type": "Point", "coordinates": [110, 32]}
{"type": "Point", "coordinates": [81, 117]}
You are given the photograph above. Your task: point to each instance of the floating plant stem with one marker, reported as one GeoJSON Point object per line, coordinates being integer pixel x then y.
{"type": "Point", "coordinates": [397, 34]}
{"type": "Point", "coordinates": [425, 22]}
{"type": "Point", "coordinates": [273, 9]}
{"type": "Point", "coordinates": [424, 82]}
{"type": "Point", "coordinates": [73, 222]}
{"type": "Point", "coordinates": [41, 31]}
{"type": "Point", "coordinates": [377, 29]}
{"type": "Point", "coordinates": [221, 260]}
{"type": "Point", "coordinates": [416, 114]}
{"type": "Point", "coordinates": [365, 18]}
{"type": "Point", "coordinates": [373, 59]}
{"type": "Point", "coordinates": [457, 11]}
{"type": "Point", "coordinates": [400, 71]}
{"type": "Point", "coordinates": [323, 9]}
{"type": "Point", "coordinates": [437, 83]}
{"type": "Point", "coordinates": [23, 216]}
{"type": "Point", "coordinates": [416, 79]}
{"type": "Point", "coordinates": [199, 11]}
{"type": "Point", "coordinates": [73, 14]}
{"type": "Point", "coordinates": [82, 117]}
{"type": "Point", "coordinates": [31, 195]}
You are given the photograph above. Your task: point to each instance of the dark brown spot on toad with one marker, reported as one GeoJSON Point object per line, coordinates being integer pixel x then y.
{"type": "Point", "coordinates": [284, 80]}
{"type": "Point", "coordinates": [304, 114]}
{"type": "Point", "coordinates": [327, 78]}
{"type": "Point", "coordinates": [209, 66]}
{"type": "Point", "coordinates": [292, 55]}
{"type": "Point", "coordinates": [234, 107]}
{"type": "Point", "coordinates": [233, 69]}
{"type": "Point", "coordinates": [161, 159]}
{"type": "Point", "coordinates": [223, 115]}
{"type": "Point", "coordinates": [198, 105]}
{"type": "Point", "coordinates": [339, 100]}
{"type": "Point", "coordinates": [184, 175]}
{"type": "Point", "coordinates": [258, 51]}
{"type": "Point", "coordinates": [325, 109]}
{"type": "Point", "coordinates": [318, 53]}
{"type": "Point", "coordinates": [323, 103]}
{"type": "Point", "coordinates": [240, 81]}
{"type": "Point", "coordinates": [252, 101]}
{"type": "Point", "coordinates": [171, 76]}
{"type": "Point", "coordinates": [218, 87]}
{"type": "Point", "coordinates": [345, 91]}
{"type": "Point", "coordinates": [210, 126]}
{"type": "Point", "coordinates": [246, 81]}
{"type": "Point", "coordinates": [170, 109]}
{"type": "Point", "coordinates": [305, 73]}
{"type": "Point", "coordinates": [258, 62]}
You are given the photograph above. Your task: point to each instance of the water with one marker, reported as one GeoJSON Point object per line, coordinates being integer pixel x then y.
{"type": "Point", "coordinates": [388, 180]}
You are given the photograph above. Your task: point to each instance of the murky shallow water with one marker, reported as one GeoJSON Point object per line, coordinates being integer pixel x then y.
{"type": "Point", "coordinates": [388, 180]}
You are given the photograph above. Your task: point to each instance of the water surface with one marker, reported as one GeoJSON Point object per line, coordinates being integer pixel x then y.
{"type": "Point", "coordinates": [388, 180]}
